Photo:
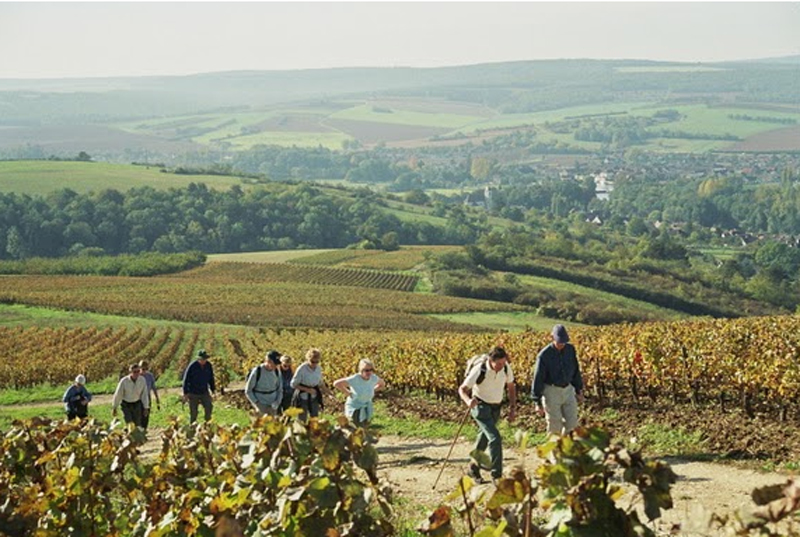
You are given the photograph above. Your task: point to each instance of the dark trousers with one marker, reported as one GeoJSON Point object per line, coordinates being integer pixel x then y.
{"type": "Point", "coordinates": [195, 401]}
{"type": "Point", "coordinates": [286, 402]}
{"type": "Point", "coordinates": [77, 411]}
{"type": "Point", "coordinates": [145, 419]}
{"type": "Point", "coordinates": [133, 412]}
{"type": "Point", "coordinates": [487, 416]}
{"type": "Point", "coordinates": [310, 407]}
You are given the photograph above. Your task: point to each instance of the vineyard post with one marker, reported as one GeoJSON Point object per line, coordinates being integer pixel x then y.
{"type": "Point", "coordinates": [458, 433]}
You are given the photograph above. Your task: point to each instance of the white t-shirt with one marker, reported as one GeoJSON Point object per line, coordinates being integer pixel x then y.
{"type": "Point", "coordinates": [491, 389]}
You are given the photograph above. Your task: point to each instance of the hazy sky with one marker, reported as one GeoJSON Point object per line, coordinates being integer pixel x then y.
{"type": "Point", "coordinates": [64, 39]}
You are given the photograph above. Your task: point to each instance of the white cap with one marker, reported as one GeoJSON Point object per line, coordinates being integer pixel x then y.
{"type": "Point", "coordinates": [80, 379]}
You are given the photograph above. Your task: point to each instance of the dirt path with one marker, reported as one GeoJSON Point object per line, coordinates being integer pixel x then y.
{"type": "Point", "coordinates": [411, 466]}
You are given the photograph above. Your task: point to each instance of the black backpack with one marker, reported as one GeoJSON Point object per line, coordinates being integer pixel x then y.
{"type": "Point", "coordinates": [484, 361]}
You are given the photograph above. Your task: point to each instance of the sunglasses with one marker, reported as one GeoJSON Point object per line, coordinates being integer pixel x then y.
{"type": "Point", "coordinates": [367, 370]}
{"type": "Point", "coordinates": [314, 361]}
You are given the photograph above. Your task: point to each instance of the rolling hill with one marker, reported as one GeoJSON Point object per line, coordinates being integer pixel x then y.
{"type": "Point", "coordinates": [126, 118]}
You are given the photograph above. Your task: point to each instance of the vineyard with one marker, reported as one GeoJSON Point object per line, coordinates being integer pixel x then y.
{"type": "Point", "coordinates": [311, 274]}
{"type": "Point", "coordinates": [750, 364]}
{"type": "Point", "coordinates": [269, 304]}
{"type": "Point", "coordinates": [406, 258]}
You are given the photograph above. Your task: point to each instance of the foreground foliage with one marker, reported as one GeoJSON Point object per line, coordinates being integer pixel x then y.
{"type": "Point", "coordinates": [573, 493]}
{"type": "Point", "coordinates": [578, 491]}
{"type": "Point", "coordinates": [273, 477]}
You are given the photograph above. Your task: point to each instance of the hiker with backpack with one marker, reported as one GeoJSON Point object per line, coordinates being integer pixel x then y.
{"type": "Point", "coordinates": [557, 386]}
{"type": "Point", "coordinates": [482, 391]}
{"type": "Point", "coordinates": [264, 388]}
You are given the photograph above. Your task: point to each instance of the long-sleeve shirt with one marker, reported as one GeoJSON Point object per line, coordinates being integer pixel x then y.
{"type": "Point", "coordinates": [307, 377]}
{"type": "Point", "coordinates": [74, 394]}
{"type": "Point", "coordinates": [266, 388]}
{"type": "Point", "coordinates": [286, 375]}
{"type": "Point", "coordinates": [150, 379]}
{"type": "Point", "coordinates": [130, 391]}
{"type": "Point", "coordinates": [198, 378]}
{"type": "Point", "coordinates": [559, 368]}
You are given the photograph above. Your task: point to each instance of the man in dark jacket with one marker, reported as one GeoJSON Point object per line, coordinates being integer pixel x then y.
{"type": "Point", "coordinates": [76, 399]}
{"type": "Point", "coordinates": [198, 386]}
{"type": "Point", "coordinates": [557, 384]}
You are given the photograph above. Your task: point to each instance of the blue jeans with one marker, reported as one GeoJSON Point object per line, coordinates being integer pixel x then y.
{"type": "Point", "coordinates": [487, 416]}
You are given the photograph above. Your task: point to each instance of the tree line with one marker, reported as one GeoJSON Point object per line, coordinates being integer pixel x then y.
{"type": "Point", "coordinates": [198, 218]}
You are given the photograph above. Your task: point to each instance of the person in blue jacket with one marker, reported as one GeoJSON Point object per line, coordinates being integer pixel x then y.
{"type": "Point", "coordinates": [198, 386]}
{"type": "Point", "coordinates": [557, 387]}
{"type": "Point", "coordinates": [76, 399]}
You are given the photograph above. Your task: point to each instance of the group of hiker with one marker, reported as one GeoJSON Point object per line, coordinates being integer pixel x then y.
{"type": "Point", "coordinates": [556, 390]}
{"type": "Point", "coordinates": [273, 387]}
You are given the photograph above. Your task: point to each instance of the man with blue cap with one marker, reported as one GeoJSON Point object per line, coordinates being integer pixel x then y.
{"type": "Point", "coordinates": [557, 386]}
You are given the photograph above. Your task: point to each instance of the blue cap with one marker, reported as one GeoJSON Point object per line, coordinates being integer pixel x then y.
{"type": "Point", "coordinates": [560, 334]}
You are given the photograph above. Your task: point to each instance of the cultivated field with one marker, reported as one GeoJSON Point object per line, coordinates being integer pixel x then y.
{"type": "Point", "coordinates": [786, 139]}
{"type": "Point", "coordinates": [39, 177]}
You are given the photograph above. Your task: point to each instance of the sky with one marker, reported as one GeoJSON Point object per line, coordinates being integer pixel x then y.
{"type": "Point", "coordinates": [102, 39]}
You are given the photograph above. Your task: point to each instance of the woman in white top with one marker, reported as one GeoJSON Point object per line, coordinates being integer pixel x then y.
{"type": "Point", "coordinates": [360, 390]}
{"type": "Point", "coordinates": [308, 385]}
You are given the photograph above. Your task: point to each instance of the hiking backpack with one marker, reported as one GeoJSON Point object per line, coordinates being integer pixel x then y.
{"type": "Point", "coordinates": [482, 359]}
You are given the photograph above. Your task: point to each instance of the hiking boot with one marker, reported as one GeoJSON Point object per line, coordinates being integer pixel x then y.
{"type": "Point", "coordinates": [475, 474]}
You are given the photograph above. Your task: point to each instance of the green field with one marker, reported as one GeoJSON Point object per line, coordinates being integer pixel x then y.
{"type": "Point", "coordinates": [367, 112]}
{"type": "Point", "coordinates": [697, 119]}
{"type": "Point", "coordinates": [602, 297]}
{"type": "Point", "coordinates": [39, 177]}
{"type": "Point", "coordinates": [280, 256]}
{"type": "Point", "coordinates": [330, 140]}
{"type": "Point", "coordinates": [508, 121]}
{"type": "Point", "coordinates": [701, 119]}
{"type": "Point", "coordinates": [512, 321]}
{"type": "Point", "coordinates": [309, 127]}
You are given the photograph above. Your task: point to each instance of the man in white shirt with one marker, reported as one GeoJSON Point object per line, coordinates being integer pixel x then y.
{"type": "Point", "coordinates": [132, 395]}
{"type": "Point", "coordinates": [482, 392]}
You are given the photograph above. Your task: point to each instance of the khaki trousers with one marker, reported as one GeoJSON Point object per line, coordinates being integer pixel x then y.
{"type": "Point", "coordinates": [561, 409]}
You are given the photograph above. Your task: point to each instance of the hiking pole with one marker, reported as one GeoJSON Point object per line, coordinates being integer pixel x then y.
{"type": "Point", "coordinates": [458, 433]}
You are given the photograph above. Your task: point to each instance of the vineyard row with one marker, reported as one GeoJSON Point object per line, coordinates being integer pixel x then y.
{"type": "Point", "coordinates": [750, 363]}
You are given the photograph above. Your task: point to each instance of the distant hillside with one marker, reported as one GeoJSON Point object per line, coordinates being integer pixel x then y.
{"type": "Point", "coordinates": [512, 86]}
{"type": "Point", "coordinates": [555, 106]}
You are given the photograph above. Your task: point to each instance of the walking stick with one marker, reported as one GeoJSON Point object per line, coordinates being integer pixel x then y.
{"type": "Point", "coordinates": [458, 433]}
